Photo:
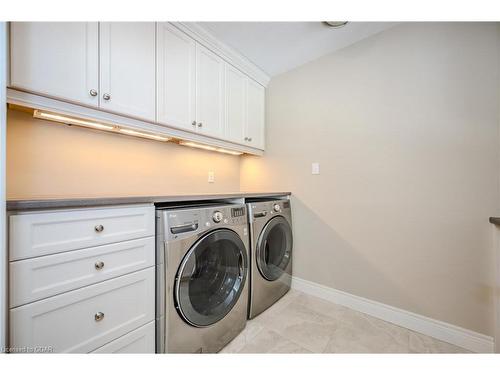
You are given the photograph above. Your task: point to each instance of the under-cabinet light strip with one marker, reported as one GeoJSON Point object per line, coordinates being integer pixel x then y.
{"type": "Point", "coordinates": [118, 129]}
{"type": "Point", "coordinates": [96, 125]}
{"type": "Point", "coordinates": [210, 148]}
{"type": "Point", "coordinates": [70, 120]}
{"type": "Point", "coordinates": [144, 135]}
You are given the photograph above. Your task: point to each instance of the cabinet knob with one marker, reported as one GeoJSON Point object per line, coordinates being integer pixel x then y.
{"type": "Point", "coordinates": [106, 96]}
{"type": "Point", "coordinates": [99, 265]}
{"type": "Point", "coordinates": [99, 316]}
{"type": "Point", "coordinates": [193, 123]}
{"type": "Point", "coordinates": [246, 138]}
{"type": "Point", "coordinates": [93, 92]}
{"type": "Point", "coordinates": [200, 125]}
{"type": "Point", "coordinates": [250, 139]}
{"type": "Point", "coordinates": [99, 228]}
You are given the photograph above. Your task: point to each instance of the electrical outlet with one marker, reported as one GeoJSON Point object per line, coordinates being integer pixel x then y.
{"type": "Point", "coordinates": [211, 177]}
{"type": "Point", "coordinates": [315, 168]}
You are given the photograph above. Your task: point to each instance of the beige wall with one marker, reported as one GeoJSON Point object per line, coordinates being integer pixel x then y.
{"type": "Point", "coordinates": [405, 126]}
{"type": "Point", "coordinates": [52, 160]}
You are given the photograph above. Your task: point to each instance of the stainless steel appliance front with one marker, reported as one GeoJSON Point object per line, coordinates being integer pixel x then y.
{"type": "Point", "coordinates": [271, 243]}
{"type": "Point", "coordinates": [202, 268]}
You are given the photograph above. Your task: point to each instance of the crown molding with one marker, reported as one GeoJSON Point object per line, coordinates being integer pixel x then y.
{"type": "Point", "coordinates": [207, 39]}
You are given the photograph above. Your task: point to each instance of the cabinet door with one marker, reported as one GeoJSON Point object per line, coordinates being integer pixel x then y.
{"type": "Point", "coordinates": [85, 319]}
{"type": "Point", "coordinates": [209, 92]}
{"type": "Point", "coordinates": [255, 114]}
{"type": "Point", "coordinates": [235, 104]}
{"type": "Point", "coordinates": [127, 74]}
{"type": "Point", "coordinates": [141, 340]}
{"type": "Point", "coordinates": [175, 77]}
{"type": "Point", "coordinates": [58, 59]}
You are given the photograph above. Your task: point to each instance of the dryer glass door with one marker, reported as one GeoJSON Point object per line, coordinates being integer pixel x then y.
{"type": "Point", "coordinates": [274, 248]}
{"type": "Point", "coordinates": [211, 278]}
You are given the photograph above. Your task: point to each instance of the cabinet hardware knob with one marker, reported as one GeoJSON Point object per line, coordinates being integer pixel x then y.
{"type": "Point", "coordinates": [246, 138]}
{"type": "Point", "coordinates": [193, 123]}
{"type": "Point", "coordinates": [250, 139]}
{"type": "Point", "coordinates": [93, 92]}
{"type": "Point", "coordinates": [99, 228]}
{"type": "Point", "coordinates": [200, 124]}
{"type": "Point", "coordinates": [106, 96]}
{"type": "Point", "coordinates": [99, 316]}
{"type": "Point", "coordinates": [99, 265]}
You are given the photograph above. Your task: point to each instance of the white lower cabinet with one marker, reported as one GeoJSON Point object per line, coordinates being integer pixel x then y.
{"type": "Point", "coordinates": [82, 280]}
{"type": "Point", "coordinates": [141, 340]}
{"type": "Point", "coordinates": [34, 234]}
{"type": "Point", "coordinates": [42, 277]}
{"type": "Point", "coordinates": [83, 320]}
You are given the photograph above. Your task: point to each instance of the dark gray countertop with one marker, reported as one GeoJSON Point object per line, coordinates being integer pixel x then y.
{"type": "Point", "coordinates": [51, 203]}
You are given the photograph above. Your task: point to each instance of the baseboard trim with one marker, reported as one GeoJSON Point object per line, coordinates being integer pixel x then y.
{"type": "Point", "coordinates": [473, 341]}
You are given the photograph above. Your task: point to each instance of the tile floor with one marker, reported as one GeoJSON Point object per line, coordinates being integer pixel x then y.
{"type": "Point", "coordinates": [299, 323]}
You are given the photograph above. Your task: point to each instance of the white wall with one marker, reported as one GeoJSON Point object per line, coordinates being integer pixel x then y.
{"type": "Point", "coordinates": [47, 159]}
{"type": "Point", "coordinates": [405, 127]}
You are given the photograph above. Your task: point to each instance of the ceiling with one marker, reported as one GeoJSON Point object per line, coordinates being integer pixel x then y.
{"type": "Point", "coordinates": [277, 47]}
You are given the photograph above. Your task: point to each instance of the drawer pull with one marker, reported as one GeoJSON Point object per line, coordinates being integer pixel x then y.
{"type": "Point", "coordinates": [99, 228]}
{"type": "Point", "coordinates": [99, 265]}
{"type": "Point", "coordinates": [99, 316]}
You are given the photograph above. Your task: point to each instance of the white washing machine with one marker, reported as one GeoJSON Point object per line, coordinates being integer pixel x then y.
{"type": "Point", "coordinates": [202, 268]}
{"type": "Point", "coordinates": [271, 243]}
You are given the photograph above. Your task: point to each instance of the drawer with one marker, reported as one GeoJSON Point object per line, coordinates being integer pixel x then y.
{"type": "Point", "coordinates": [37, 278]}
{"type": "Point", "coordinates": [43, 233]}
{"type": "Point", "coordinates": [141, 340]}
{"type": "Point", "coordinates": [72, 322]}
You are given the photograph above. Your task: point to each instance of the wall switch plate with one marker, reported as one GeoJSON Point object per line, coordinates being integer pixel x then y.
{"type": "Point", "coordinates": [211, 177]}
{"type": "Point", "coordinates": [315, 168]}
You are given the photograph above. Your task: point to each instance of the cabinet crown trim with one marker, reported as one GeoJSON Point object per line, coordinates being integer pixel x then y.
{"type": "Point", "coordinates": [205, 37]}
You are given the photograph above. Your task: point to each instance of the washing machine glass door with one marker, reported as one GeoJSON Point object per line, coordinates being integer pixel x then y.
{"type": "Point", "coordinates": [274, 248]}
{"type": "Point", "coordinates": [211, 278]}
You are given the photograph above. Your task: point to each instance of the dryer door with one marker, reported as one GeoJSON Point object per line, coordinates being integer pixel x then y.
{"type": "Point", "coordinates": [211, 278]}
{"type": "Point", "coordinates": [274, 248]}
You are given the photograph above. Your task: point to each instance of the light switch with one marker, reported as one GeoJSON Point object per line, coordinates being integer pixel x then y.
{"type": "Point", "coordinates": [315, 168]}
{"type": "Point", "coordinates": [211, 177]}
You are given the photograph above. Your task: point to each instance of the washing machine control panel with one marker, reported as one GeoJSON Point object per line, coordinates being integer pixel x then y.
{"type": "Point", "coordinates": [237, 211]}
{"type": "Point", "coordinates": [185, 222]}
{"type": "Point", "coordinates": [217, 216]}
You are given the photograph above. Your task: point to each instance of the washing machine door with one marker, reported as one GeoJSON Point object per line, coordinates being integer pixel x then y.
{"type": "Point", "coordinates": [274, 248]}
{"type": "Point", "coordinates": [211, 278]}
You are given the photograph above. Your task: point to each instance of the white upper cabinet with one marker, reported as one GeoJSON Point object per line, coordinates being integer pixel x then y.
{"type": "Point", "coordinates": [255, 117]}
{"type": "Point", "coordinates": [58, 59]}
{"type": "Point", "coordinates": [162, 73]}
{"type": "Point", "coordinates": [176, 69]}
{"type": "Point", "coordinates": [127, 68]}
{"type": "Point", "coordinates": [235, 104]}
{"type": "Point", "coordinates": [209, 92]}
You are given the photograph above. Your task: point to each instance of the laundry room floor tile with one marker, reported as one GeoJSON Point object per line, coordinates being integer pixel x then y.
{"type": "Point", "coordinates": [300, 323]}
{"type": "Point", "coordinates": [268, 341]}
{"type": "Point", "coordinates": [359, 333]}
{"type": "Point", "coordinates": [424, 344]}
